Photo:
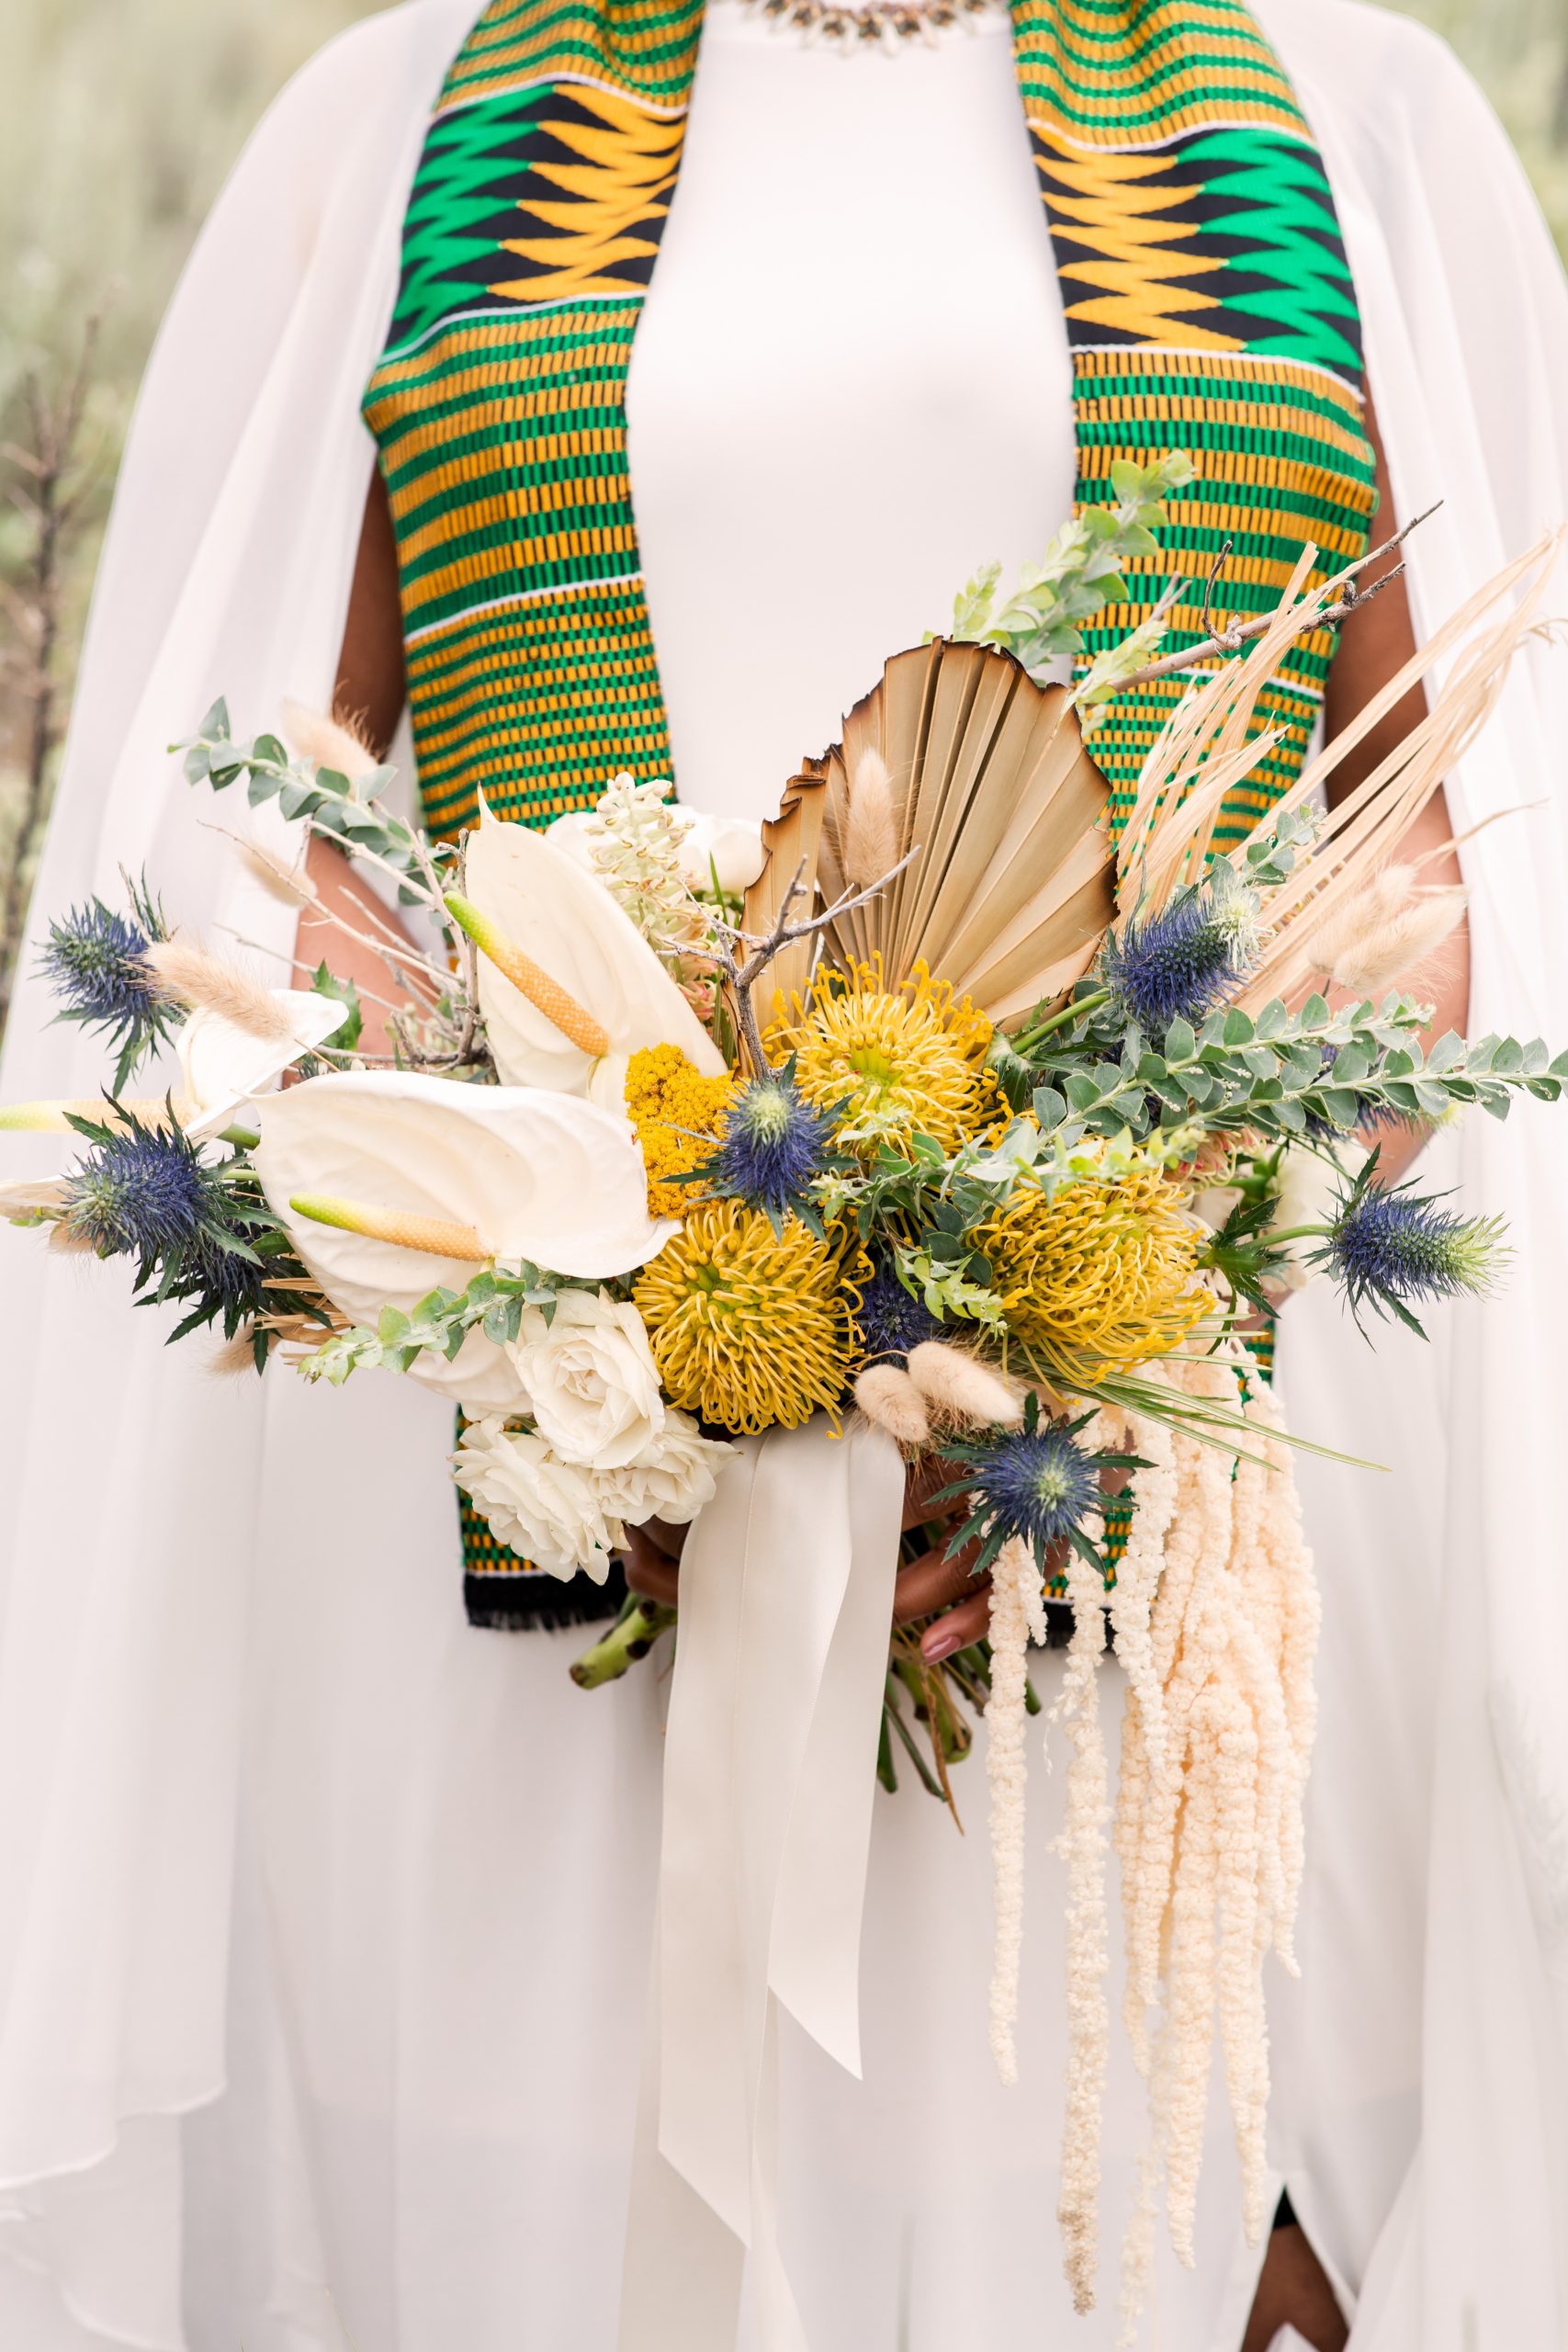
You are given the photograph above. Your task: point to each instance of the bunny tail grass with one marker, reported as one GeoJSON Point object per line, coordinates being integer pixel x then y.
{"type": "Point", "coordinates": [405, 1231]}
{"type": "Point", "coordinates": [890, 1398]}
{"type": "Point", "coordinates": [526, 975]}
{"type": "Point", "coordinates": [960, 1389]}
{"type": "Point", "coordinates": [189, 976]}
{"type": "Point", "coordinates": [871, 831]}
{"type": "Point", "coordinates": [1386, 932]}
{"type": "Point", "coordinates": [289, 886]}
{"type": "Point", "coordinates": [329, 742]}
{"type": "Point", "coordinates": [236, 1355]}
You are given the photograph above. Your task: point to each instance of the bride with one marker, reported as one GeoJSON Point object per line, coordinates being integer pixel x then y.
{"type": "Point", "coordinates": [324, 1914]}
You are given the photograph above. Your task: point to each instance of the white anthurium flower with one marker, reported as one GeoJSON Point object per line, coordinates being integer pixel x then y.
{"type": "Point", "coordinates": [730, 847]}
{"type": "Point", "coordinates": [570, 929]}
{"type": "Point", "coordinates": [417, 1181]}
{"type": "Point", "coordinates": [222, 1066]}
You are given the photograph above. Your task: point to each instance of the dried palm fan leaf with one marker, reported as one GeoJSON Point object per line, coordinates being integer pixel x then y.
{"type": "Point", "coordinates": [791, 840]}
{"type": "Point", "coordinates": [966, 762]}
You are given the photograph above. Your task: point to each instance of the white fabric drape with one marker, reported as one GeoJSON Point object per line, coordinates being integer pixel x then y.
{"type": "Point", "coordinates": [176, 1621]}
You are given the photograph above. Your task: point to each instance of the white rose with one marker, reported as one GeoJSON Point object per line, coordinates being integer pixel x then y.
{"type": "Point", "coordinates": [591, 1382]}
{"type": "Point", "coordinates": [674, 1478]}
{"type": "Point", "coordinates": [560, 1515]}
{"type": "Point", "coordinates": [730, 847]}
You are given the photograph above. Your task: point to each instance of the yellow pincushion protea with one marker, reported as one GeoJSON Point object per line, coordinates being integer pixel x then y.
{"type": "Point", "coordinates": [679, 1114]}
{"type": "Point", "coordinates": [750, 1328]}
{"type": "Point", "coordinates": [1100, 1278]}
{"type": "Point", "coordinates": [890, 1062]}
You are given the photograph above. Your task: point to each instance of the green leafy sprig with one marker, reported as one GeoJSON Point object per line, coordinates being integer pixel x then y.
{"type": "Point", "coordinates": [493, 1302]}
{"type": "Point", "coordinates": [1041, 620]}
{"type": "Point", "coordinates": [351, 811]}
{"type": "Point", "coordinates": [1281, 1074]}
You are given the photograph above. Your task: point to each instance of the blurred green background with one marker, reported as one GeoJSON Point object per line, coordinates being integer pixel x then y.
{"type": "Point", "coordinates": [117, 120]}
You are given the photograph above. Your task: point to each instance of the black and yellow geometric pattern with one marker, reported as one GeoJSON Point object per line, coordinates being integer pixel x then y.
{"type": "Point", "coordinates": [1209, 307]}
{"type": "Point", "coordinates": [499, 406]}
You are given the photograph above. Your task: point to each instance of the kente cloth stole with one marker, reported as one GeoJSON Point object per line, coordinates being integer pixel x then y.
{"type": "Point", "coordinates": [1209, 307]}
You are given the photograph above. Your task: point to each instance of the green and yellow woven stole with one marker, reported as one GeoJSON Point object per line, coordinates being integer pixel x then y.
{"type": "Point", "coordinates": [1209, 307]}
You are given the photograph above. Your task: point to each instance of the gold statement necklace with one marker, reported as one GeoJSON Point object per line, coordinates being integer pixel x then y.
{"type": "Point", "coordinates": [886, 25]}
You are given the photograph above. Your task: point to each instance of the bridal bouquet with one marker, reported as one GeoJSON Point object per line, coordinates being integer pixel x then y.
{"type": "Point", "coordinates": [934, 1103]}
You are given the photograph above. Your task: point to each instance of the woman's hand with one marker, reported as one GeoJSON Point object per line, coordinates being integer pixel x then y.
{"type": "Point", "coordinates": [929, 1586]}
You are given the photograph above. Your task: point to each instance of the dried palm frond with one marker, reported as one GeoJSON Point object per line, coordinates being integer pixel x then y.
{"type": "Point", "coordinates": [791, 840]}
{"type": "Point", "coordinates": [1009, 889]}
{"type": "Point", "coordinates": [1364, 832]}
{"type": "Point", "coordinates": [1009, 880]}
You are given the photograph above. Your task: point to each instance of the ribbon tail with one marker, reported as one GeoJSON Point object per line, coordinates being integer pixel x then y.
{"type": "Point", "coordinates": [814, 1959]}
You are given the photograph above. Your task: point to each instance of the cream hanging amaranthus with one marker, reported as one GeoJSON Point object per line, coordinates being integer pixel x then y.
{"type": "Point", "coordinates": [1214, 1616]}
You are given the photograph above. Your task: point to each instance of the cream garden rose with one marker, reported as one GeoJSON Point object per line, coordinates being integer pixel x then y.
{"type": "Point", "coordinates": [557, 1514]}
{"type": "Point", "coordinates": [570, 1515]}
{"type": "Point", "coordinates": [675, 1479]}
{"type": "Point", "coordinates": [591, 1382]}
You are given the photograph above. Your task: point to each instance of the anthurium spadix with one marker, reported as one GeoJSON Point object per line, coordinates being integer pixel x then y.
{"type": "Point", "coordinates": [391, 1183]}
{"type": "Point", "coordinates": [564, 930]}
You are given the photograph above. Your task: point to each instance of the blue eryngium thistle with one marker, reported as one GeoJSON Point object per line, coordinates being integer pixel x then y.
{"type": "Point", "coordinates": [200, 1236]}
{"type": "Point", "coordinates": [1179, 964]}
{"type": "Point", "coordinates": [1035, 1483]}
{"type": "Point", "coordinates": [1389, 1245]}
{"type": "Point", "coordinates": [893, 1320]}
{"type": "Point", "coordinates": [774, 1142]}
{"type": "Point", "coordinates": [142, 1192]}
{"type": "Point", "coordinates": [94, 961]}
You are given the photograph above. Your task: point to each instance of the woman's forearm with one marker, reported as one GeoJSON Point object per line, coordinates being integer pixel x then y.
{"type": "Point", "coordinates": [369, 693]}
{"type": "Point", "coordinates": [1374, 645]}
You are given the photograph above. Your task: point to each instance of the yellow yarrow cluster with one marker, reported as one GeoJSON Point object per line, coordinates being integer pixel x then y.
{"type": "Point", "coordinates": [891, 1061]}
{"type": "Point", "coordinates": [665, 1094]}
{"type": "Point", "coordinates": [1102, 1277]}
{"type": "Point", "coordinates": [750, 1328]}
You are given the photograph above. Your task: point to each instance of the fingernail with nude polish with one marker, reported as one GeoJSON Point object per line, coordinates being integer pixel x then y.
{"type": "Point", "coordinates": [939, 1644]}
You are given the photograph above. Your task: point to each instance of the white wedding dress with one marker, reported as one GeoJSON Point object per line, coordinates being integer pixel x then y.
{"type": "Point", "coordinates": [383, 2098]}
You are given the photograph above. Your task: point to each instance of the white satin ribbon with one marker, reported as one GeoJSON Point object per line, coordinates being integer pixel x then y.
{"type": "Point", "coordinates": [786, 1590]}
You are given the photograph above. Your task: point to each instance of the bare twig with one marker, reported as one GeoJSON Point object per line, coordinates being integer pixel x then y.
{"type": "Point", "coordinates": [1234, 640]}
{"type": "Point", "coordinates": [740, 979]}
{"type": "Point", "coordinates": [1214, 581]}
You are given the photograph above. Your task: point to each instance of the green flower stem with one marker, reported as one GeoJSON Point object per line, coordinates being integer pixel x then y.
{"type": "Point", "coordinates": [631, 1637]}
{"type": "Point", "coordinates": [1080, 1007]}
{"type": "Point", "coordinates": [1298, 1233]}
{"type": "Point", "coordinates": [892, 1717]}
{"type": "Point", "coordinates": [884, 1767]}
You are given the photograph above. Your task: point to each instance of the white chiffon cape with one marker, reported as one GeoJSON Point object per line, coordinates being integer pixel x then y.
{"type": "Point", "coordinates": [1421, 2116]}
